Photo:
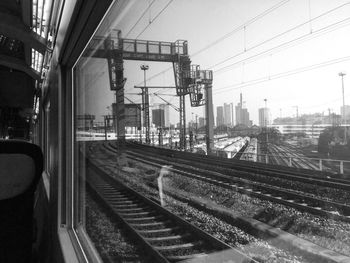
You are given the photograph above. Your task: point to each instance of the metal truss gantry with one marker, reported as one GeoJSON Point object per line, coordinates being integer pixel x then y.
{"type": "Point", "coordinates": [116, 49]}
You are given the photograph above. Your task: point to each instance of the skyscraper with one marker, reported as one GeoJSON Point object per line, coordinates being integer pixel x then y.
{"type": "Point", "coordinates": [158, 117]}
{"type": "Point", "coordinates": [264, 117]}
{"type": "Point", "coordinates": [201, 121]}
{"type": "Point", "coordinates": [165, 107]}
{"type": "Point", "coordinates": [242, 114]}
{"type": "Point", "coordinates": [232, 115]}
{"type": "Point", "coordinates": [227, 114]}
{"type": "Point", "coordinates": [219, 115]}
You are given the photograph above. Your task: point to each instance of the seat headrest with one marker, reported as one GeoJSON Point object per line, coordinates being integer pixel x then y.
{"type": "Point", "coordinates": [21, 165]}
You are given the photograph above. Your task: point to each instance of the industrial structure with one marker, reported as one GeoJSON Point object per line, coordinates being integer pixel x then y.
{"type": "Point", "coordinates": [189, 79]}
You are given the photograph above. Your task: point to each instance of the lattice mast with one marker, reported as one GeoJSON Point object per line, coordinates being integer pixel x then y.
{"type": "Point", "coordinates": [201, 94]}
{"type": "Point", "coordinates": [182, 74]}
{"type": "Point", "coordinates": [114, 54]}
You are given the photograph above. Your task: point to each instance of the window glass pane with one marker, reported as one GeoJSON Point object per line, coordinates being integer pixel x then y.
{"type": "Point", "coordinates": [227, 114]}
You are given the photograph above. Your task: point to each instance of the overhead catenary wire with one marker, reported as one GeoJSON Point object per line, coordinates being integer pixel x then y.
{"type": "Point", "coordinates": [150, 21]}
{"type": "Point", "coordinates": [242, 26]}
{"type": "Point", "coordinates": [287, 44]}
{"type": "Point", "coordinates": [281, 75]}
{"type": "Point", "coordinates": [232, 32]}
{"type": "Point", "coordinates": [138, 20]}
{"type": "Point", "coordinates": [158, 14]}
{"type": "Point", "coordinates": [281, 34]}
{"type": "Point", "coordinates": [301, 38]}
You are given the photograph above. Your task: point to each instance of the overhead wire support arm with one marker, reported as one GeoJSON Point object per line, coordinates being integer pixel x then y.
{"type": "Point", "coordinates": [132, 102]}
{"type": "Point", "coordinates": [167, 102]}
{"type": "Point", "coordinates": [156, 87]}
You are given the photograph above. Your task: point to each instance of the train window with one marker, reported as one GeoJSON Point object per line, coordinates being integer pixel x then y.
{"type": "Point", "coordinates": [261, 190]}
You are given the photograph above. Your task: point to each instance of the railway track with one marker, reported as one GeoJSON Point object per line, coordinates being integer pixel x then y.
{"type": "Point", "coordinates": [299, 201]}
{"type": "Point", "coordinates": [165, 236]}
{"type": "Point", "coordinates": [276, 158]}
{"type": "Point", "coordinates": [288, 153]}
{"type": "Point", "coordinates": [296, 200]}
{"type": "Point", "coordinates": [315, 178]}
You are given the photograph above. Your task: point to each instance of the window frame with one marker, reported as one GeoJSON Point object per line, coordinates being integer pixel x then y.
{"type": "Point", "coordinates": [79, 21]}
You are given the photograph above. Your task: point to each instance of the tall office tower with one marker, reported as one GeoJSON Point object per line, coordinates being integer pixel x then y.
{"type": "Point", "coordinates": [227, 114]}
{"type": "Point", "coordinates": [245, 117]}
{"type": "Point", "coordinates": [219, 115]}
{"type": "Point", "coordinates": [239, 110]}
{"type": "Point", "coordinates": [158, 117]}
{"type": "Point", "coordinates": [242, 114]}
{"type": "Point", "coordinates": [232, 115]}
{"type": "Point", "coordinates": [166, 109]}
{"type": "Point", "coordinates": [264, 117]}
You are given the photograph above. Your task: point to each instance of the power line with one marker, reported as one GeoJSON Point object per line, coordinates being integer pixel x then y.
{"type": "Point", "coordinates": [235, 30]}
{"type": "Point", "coordinates": [281, 34]}
{"type": "Point", "coordinates": [150, 23]}
{"type": "Point", "coordinates": [285, 45]}
{"type": "Point", "coordinates": [142, 15]}
{"type": "Point", "coordinates": [159, 13]}
{"type": "Point", "coordinates": [282, 74]}
{"type": "Point", "coordinates": [249, 22]}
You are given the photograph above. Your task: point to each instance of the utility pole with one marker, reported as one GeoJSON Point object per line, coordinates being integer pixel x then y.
{"type": "Point", "coordinates": [209, 115]}
{"type": "Point", "coordinates": [145, 67]}
{"type": "Point", "coordinates": [342, 74]}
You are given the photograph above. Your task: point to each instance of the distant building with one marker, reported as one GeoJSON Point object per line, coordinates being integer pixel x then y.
{"type": "Point", "coordinates": [228, 114]}
{"type": "Point", "coordinates": [242, 114]}
{"type": "Point", "coordinates": [158, 118]}
{"type": "Point", "coordinates": [245, 118]}
{"type": "Point", "coordinates": [264, 117]}
{"type": "Point", "coordinates": [201, 122]}
{"type": "Point", "coordinates": [306, 119]}
{"type": "Point", "coordinates": [165, 107]}
{"type": "Point", "coordinates": [310, 124]}
{"type": "Point", "coordinates": [232, 115]}
{"type": "Point", "coordinates": [345, 113]}
{"type": "Point", "coordinates": [219, 116]}
{"type": "Point", "coordinates": [191, 126]}
{"type": "Point", "coordinates": [312, 131]}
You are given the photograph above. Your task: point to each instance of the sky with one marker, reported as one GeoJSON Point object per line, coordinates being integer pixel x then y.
{"type": "Point", "coordinates": [286, 51]}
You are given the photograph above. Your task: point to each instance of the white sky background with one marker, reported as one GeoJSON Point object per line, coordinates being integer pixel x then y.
{"type": "Point", "coordinates": [202, 22]}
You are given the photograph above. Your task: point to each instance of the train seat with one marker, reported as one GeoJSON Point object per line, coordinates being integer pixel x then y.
{"type": "Point", "coordinates": [21, 166]}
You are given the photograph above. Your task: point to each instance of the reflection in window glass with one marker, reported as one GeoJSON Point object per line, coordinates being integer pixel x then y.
{"type": "Point", "coordinates": [268, 176]}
